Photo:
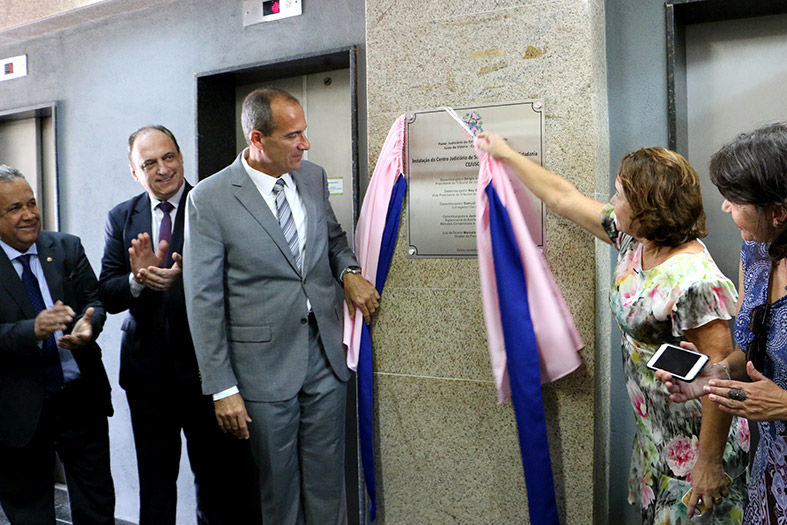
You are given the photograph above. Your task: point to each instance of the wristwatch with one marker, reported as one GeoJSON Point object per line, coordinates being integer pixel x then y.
{"type": "Point", "coordinates": [349, 269]}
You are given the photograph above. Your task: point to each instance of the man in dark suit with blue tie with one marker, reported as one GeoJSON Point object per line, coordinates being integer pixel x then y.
{"type": "Point", "coordinates": [141, 273]}
{"type": "Point", "coordinates": [54, 393]}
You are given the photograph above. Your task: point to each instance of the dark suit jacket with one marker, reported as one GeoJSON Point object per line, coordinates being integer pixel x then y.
{"type": "Point", "coordinates": [71, 280]}
{"type": "Point", "coordinates": [156, 352]}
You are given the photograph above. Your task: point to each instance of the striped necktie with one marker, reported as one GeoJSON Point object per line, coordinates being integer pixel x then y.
{"type": "Point", "coordinates": [286, 220]}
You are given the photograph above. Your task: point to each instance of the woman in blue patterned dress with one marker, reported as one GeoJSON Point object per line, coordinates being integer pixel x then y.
{"type": "Point", "coordinates": [751, 174]}
{"type": "Point", "coordinates": [666, 289]}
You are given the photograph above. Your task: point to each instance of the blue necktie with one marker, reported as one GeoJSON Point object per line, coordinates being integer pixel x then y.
{"type": "Point", "coordinates": [54, 371]}
{"type": "Point", "coordinates": [286, 221]}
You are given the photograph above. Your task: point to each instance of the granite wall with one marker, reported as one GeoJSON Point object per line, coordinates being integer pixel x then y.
{"type": "Point", "coordinates": [446, 452]}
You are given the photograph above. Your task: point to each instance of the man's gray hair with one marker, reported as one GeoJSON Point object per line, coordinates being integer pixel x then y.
{"type": "Point", "coordinates": [9, 173]}
{"type": "Point", "coordinates": [256, 112]}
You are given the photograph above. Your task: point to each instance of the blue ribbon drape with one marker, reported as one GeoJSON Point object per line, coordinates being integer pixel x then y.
{"type": "Point", "coordinates": [365, 361]}
{"type": "Point", "coordinates": [523, 365]}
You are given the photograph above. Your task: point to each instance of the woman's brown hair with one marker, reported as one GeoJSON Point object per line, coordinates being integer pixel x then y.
{"type": "Point", "coordinates": [664, 193]}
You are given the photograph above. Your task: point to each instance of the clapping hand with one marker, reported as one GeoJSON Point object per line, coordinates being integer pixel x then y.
{"type": "Point", "coordinates": [80, 335]}
{"type": "Point", "coordinates": [146, 264]}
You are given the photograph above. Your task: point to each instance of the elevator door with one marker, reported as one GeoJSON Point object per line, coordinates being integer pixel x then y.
{"type": "Point", "coordinates": [27, 142]}
{"type": "Point", "coordinates": [735, 78]}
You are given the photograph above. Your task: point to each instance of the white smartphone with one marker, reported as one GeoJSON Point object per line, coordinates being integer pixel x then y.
{"type": "Point", "coordinates": [681, 363]}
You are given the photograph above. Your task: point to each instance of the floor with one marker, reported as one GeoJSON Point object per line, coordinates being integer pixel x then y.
{"type": "Point", "coordinates": [62, 511]}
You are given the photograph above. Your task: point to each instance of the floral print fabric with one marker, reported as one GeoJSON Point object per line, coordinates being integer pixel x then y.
{"type": "Point", "coordinates": [653, 307]}
{"type": "Point", "coordinates": [767, 492]}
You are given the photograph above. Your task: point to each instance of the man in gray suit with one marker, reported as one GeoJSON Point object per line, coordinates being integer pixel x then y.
{"type": "Point", "coordinates": [263, 261]}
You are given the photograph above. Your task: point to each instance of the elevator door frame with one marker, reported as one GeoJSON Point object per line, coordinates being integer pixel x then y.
{"type": "Point", "coordinates": [679, 14]}
{"type": "Point", "coordinates": [48, 196]}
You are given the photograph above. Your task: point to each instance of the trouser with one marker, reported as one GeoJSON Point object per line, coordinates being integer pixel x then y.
{"type": "Point", "coordinates": [224, 474]}
{"type": "Point", "coordinates": [81, 439]}
{"type": "Point", "coordinates": [298, 445]}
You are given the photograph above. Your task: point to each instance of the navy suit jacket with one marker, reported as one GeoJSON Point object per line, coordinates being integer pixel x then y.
{"type": "Point", "coordinates": [156, 352]}
{"type": "Point", "coordinates": [70, 279]}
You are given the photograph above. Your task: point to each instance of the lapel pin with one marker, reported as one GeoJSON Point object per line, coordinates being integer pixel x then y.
{"type": "Point", "coordinates": [48, 259]}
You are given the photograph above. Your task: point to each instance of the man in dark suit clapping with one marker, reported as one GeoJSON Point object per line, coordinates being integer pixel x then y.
{"type": "Point", "coordinates": [54, 393]}
{"type": "Point", "coordinates": [141, 273]}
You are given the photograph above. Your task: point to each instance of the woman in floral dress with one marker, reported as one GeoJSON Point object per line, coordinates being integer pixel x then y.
{"type": "Point", "coordinates": [751, 174]}
{"type": "Point", "coordinates": [666, 289]}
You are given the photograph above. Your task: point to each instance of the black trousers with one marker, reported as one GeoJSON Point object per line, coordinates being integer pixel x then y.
{"type": "Point", "coordinates": [80, 437]}
{"type": "Point", "coordinates": [225, 479]}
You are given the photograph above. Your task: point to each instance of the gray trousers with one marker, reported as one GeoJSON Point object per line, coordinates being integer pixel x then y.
{"type": "Point", "coordinates": [298, 445]}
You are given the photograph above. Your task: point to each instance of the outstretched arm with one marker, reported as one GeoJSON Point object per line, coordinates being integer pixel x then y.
{"type": "Point", "coordinates": [557, 193]}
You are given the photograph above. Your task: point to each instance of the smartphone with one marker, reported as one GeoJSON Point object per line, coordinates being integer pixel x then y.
{"type": "Point", "coordinates": [700, 504]}
{"type": "Point", "coordinates": [681, 363]}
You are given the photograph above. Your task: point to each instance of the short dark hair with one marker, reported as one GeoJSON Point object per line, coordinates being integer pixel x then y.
{"type": "Point", "coordinates": [153, 127]}
{"type": "Point", "coordinates": [752, 169]}
{"type": "Point", "coordinates": [664, 193]}
{"type": "Point", "coordinates": [9, 173]}
{"type": "Point", "coordinates": [256, 112]}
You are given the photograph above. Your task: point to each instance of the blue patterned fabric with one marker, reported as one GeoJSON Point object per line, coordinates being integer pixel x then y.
{"type": "Point", "coordinates": [768, 484]}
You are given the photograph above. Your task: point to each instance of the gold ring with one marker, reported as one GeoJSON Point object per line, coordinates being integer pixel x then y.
{"type": "Point", "coordinates": [717, 500]}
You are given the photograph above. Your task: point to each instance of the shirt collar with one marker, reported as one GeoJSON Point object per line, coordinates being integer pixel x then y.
{"type": "Point", "coordinates": [13, 253]}
{"type": "Point", "coordinates": [262, 180]}
{"type": "Point", "coordinates": [174, 200]}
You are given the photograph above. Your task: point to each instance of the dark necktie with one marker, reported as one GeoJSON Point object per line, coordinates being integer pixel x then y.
{"type": "Point", "coordinates": [286, 221]}
{"type": "Point", "coordinates": [165, 231]}
{"type": "Point", "coordinates": [54, 371]}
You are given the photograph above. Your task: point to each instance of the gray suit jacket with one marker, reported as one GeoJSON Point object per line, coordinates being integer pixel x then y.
{"type": "Point", "coordinates": [245, 297]}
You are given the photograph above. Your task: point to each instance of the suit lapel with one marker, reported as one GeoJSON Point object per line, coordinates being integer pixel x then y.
{"type": "Point", "coordinates": [139, 220]}
{"type": "Point", "coordinates": [249, 196]}
{"type": "Point", "coordinates": [10, 280]}
{"type": "Point", "coordinates": [52, 266]}
{"type": "Point", "coordinates": [310, 195]}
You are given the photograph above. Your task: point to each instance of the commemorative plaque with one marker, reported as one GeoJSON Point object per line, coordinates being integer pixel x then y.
{"type": "Point", "coordinates": [442, 171]}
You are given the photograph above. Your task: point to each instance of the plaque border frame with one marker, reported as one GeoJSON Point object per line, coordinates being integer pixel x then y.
{"type": "Point", "coordinates": [537, 106]}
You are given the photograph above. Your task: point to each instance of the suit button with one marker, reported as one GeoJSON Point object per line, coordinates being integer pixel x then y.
{"type": "Point", "coordinates": [304, 321]}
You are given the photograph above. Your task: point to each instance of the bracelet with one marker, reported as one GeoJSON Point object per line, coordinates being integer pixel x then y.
{"type": "Point", "coordinates": [726, 370]}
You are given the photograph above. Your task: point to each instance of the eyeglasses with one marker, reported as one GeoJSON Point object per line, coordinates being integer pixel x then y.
{"type": "Point", "coordinates": [756, 351]}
